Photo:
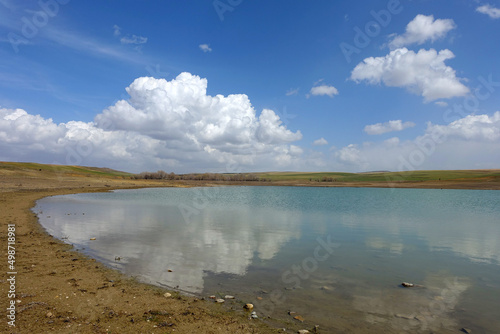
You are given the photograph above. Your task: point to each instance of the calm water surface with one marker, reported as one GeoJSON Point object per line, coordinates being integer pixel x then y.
{"type": "Point", "coordinates": [336, 256]}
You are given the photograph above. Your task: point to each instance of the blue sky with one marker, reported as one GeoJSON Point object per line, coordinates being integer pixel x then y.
{"type": "Point", "coordinates": [418, 69]}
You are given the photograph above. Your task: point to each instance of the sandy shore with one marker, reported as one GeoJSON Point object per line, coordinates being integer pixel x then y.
{"type": "Point", "coordinates": [59, 290]}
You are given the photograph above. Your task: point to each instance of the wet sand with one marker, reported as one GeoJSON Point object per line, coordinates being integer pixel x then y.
{"type": "Point", "coordinates": [59, 290]}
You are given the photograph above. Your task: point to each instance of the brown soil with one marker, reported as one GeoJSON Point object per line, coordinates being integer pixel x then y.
{"type": "Point", "coordinates": [59, 290]}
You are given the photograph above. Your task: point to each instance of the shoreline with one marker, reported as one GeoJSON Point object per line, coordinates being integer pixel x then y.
{"type": "Point", "coordinates": [59, 289]}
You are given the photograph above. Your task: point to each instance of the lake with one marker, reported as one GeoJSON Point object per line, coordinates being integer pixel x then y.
{"type": "Point", "coordinates": [336, 256]}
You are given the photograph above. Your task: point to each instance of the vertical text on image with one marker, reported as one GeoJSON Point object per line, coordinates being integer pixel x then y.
{"type": "Point", "coordinates": [11, 274]}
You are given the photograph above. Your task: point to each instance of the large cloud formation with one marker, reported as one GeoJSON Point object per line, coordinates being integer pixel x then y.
{"type": "Point", "coordinates": [165, 124]}
{"type": "Point", "coordinates": [175, 126]}
{"type": "Point", "coordinates": [423, 73]}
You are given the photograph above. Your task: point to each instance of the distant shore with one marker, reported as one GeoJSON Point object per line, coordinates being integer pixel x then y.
{"type": "Point", "coordinates": [60, 290]}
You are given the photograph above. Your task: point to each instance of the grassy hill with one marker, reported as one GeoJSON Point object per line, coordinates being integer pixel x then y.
{"type": "Point", "coordinates": [34, 168]}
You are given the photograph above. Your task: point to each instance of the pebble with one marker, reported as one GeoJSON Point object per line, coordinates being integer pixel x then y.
{"type": "Point", "coordinates": [220, 300]}
{"type": "Point", "coordinates": [299, 318]}
{"type": "Point", "coordinates": [92, 238]}
{"type": "Point", "coordinates": [259, 298]}
{"type": "Point", "coordinates": [327, 288]}
{"type": "Point", "coordinates": [407, 285]}
{"type": "Point", "coordinates": [228, 297]}
{"type": "Point", "coordinates": [303, 331]}
{"type": "Point", "coordinates": [49, 315]}
{"type": "Point", "coordinates": [248, 306]}
{"type": "Point", "coordinates": [254, 315]}
{"type": "Point", "coordinates": [466, 330]}
{"type": "Point", "coordinates": [168, 294]}
{"type": "Point", "coordinates": [212, 297]}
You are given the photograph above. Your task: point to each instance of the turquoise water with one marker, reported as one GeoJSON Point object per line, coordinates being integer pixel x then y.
{"type": "Point", "coordinates": [336, 256]}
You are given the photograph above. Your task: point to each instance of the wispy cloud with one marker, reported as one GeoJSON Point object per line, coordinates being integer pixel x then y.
{"type": "Point", "coordinates": [380, 128]}
{"type": "Point", "coordinates": [7, 4]}
{"type": "Point", "coordinates": [441, 103]}
{"type": "Point", "coordinates": [492, 12]}
{"type": "Point", "coordinates": [205, 48]}
{"type": "Point", "coordinates": [134, 39]}
{"type": "Point", "coordinates": [90, 46]}
{"type": "Point", "coordinates": [292, 91]}
{"type": "Point", "coordinates": [117, 30]}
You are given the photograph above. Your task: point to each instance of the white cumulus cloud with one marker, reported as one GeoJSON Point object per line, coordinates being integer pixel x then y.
{"type": "Point", "coordinates": [472, 127]}
{"type": "Point", "coordinates": [421, 29]}
{"type": "Point", "coordinates": [489, 10]}
{"type": "Point", "coordinates": [380, 128]}
{"type": "Point", "coordinates": [324, 90]}
{"type": "Point", "coordinates": [424, 73]}
{"type": "Point", "coordinates": [320, 142]}
{"type": "Point", "coordinates": [171, 125]}
{"type": "Point", "coordinates": [205, 48]}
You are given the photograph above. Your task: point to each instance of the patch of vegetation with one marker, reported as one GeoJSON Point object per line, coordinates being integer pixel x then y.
{"type": "Point", "coordinates": [73, 170]}
{"type": "Point", "coordinates": [161, 175]}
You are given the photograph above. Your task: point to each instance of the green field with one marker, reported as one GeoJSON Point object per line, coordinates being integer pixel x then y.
{"type": "Point", "coordinates": [413, 176]}
{"type": "Point", "coordinates": [72, 170]}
